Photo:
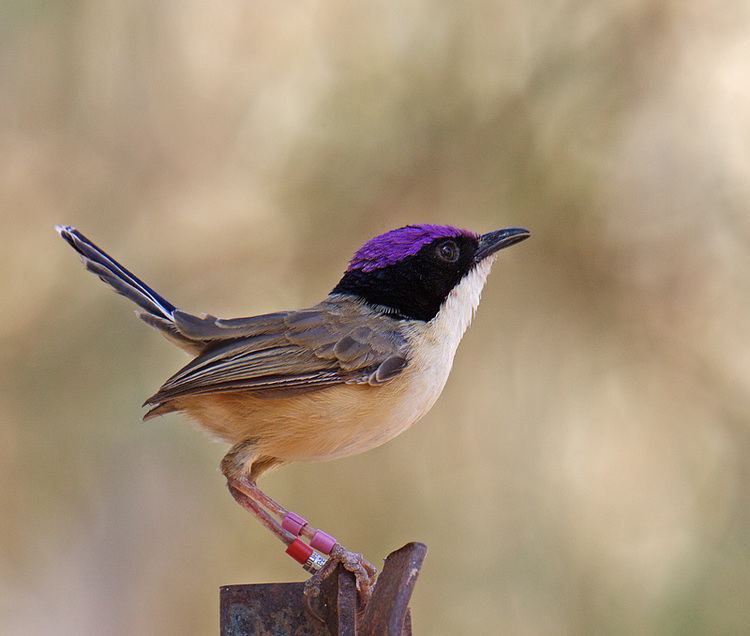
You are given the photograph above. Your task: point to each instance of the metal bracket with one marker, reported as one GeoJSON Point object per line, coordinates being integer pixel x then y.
{"type": "Point", "coordinates": [278, 608]}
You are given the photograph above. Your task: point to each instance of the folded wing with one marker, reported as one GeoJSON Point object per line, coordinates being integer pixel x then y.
{"type": "Point", "coordinates": [332, 343]}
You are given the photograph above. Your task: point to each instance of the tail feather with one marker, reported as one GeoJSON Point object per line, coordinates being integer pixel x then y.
{"type": "Point", "coordinates": [116, 276]}
{"type": "Point", "coordinates": [171, 332]}
{"type": "Point", "coordinates": [158, 410]}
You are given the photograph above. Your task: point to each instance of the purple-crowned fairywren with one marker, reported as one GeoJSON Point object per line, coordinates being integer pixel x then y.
{"type": "Point", "coordinates": [332, 380]}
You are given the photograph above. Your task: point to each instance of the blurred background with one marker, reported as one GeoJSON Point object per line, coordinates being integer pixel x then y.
{"type": "Point", "coordinates": [586, 469]}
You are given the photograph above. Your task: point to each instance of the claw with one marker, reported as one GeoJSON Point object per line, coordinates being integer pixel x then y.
{"type": "Point", "coordinates": [364, 572]}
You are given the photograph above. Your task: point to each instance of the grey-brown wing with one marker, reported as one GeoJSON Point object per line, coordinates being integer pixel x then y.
{"type": "Point", "coordinates": [331, 343]}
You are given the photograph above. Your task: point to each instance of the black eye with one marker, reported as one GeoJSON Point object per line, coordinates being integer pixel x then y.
{"type": "Point", "coordinates": [448, 251]}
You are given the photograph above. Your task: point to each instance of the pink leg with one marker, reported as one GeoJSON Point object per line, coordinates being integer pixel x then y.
{"type": "Point", "coordinates": [253, 499]}
{"type": "Point", "coordinates": [255, 509]}
{"type": "Point", "coordinates": [300, 552]}
{"type": "Point", "coordinates": [251, 489]}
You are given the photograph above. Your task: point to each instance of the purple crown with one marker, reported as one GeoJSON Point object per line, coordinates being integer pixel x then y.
{"type": "Point", "coordinates": [396, 245]}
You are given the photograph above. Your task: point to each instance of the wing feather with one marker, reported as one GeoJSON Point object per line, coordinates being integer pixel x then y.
{"type": "Point", "coordinates": [331, 343]}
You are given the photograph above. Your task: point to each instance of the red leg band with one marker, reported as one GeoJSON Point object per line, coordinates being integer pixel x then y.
{"type": "Point", "coordinates": [299, 551]}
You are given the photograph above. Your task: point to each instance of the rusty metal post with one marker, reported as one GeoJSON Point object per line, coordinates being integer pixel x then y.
{"type": "Point", "coordinates": [278, 608]}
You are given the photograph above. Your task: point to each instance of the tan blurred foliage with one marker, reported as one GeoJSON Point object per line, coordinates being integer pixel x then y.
{"type": "Point", "coordinates": [586, 470]}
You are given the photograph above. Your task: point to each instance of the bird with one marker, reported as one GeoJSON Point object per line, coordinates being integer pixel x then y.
{"type": "Point", "coordinates": [331, 380]}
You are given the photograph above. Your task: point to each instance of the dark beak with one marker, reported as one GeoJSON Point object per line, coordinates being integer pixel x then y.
{"type": "Point", "coordinates": [499, 239]}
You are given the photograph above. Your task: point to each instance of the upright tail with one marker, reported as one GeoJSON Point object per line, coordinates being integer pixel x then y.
{"type": "Point", "coordinates": [115, 275]}
{"type": "Point", "coordinates": [157, 311]}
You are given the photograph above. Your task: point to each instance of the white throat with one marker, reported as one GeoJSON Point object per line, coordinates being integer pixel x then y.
{"type": "Point", "coordinates": [458, 308]}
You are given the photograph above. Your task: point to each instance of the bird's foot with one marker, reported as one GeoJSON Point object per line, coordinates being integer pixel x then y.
{"type": "Point", "coordinates": [364, 572]}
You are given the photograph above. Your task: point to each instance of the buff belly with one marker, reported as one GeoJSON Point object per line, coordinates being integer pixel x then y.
{"type": "Point", "coordinates": [333, 422]}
